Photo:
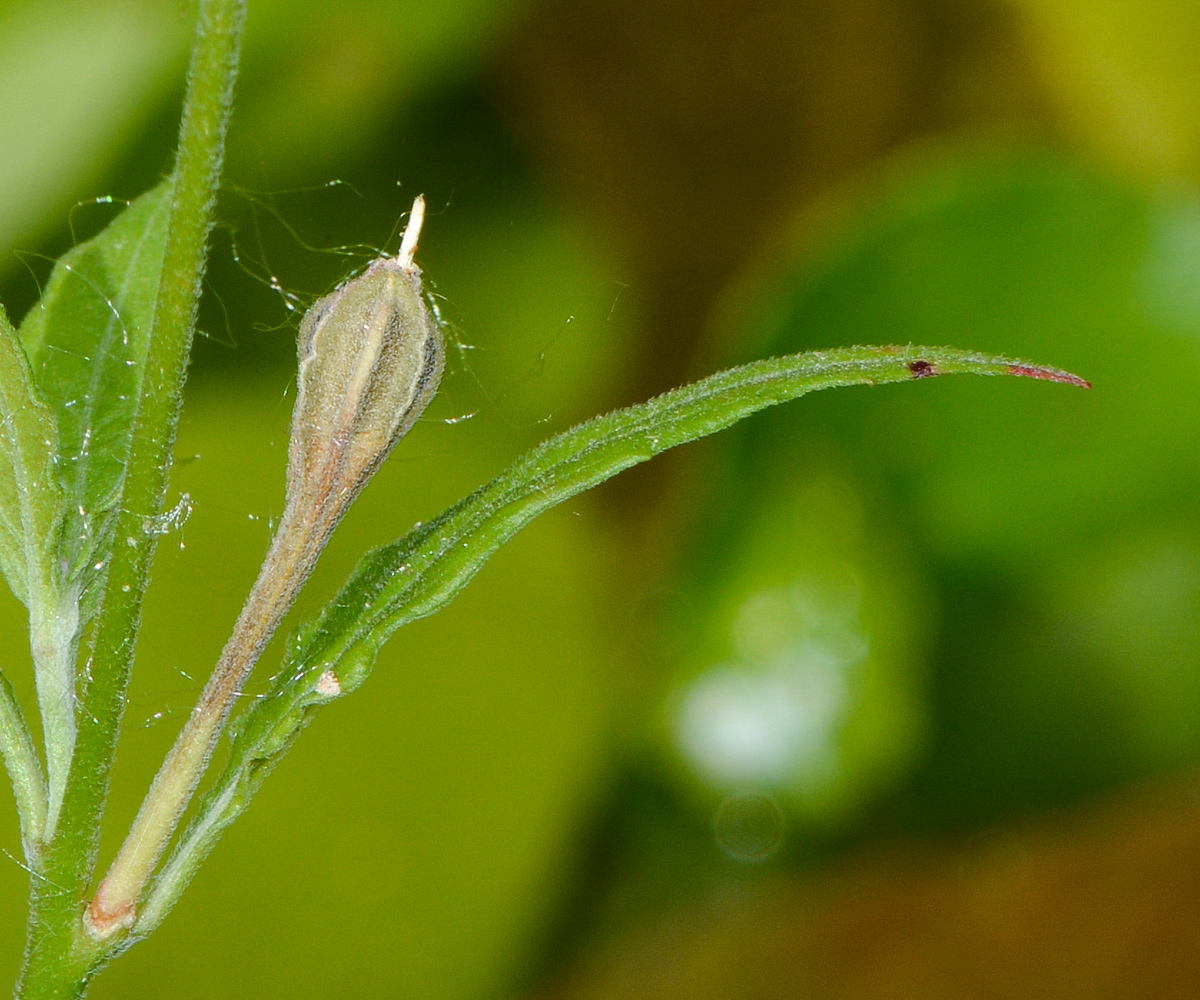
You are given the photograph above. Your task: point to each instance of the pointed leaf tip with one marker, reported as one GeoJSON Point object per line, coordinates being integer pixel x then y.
{"type": "Point", "coordinates": [1048, 375]}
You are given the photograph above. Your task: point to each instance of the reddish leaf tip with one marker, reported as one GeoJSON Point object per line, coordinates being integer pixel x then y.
{"type": "Point", "coordinates": [1049, 375]}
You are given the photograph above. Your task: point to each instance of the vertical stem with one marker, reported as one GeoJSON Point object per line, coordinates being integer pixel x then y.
{"type": "Point", "coordinates": [59, 956]}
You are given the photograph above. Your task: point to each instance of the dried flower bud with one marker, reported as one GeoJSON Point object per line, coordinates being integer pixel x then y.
{"type": "Point", "coordinates": [371, 357]}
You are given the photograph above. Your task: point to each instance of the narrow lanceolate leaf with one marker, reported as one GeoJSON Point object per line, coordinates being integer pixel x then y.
{"type": "Point", "coordinates": [87, 340]}
{"type": "Point", "coordinates": [420, 573]}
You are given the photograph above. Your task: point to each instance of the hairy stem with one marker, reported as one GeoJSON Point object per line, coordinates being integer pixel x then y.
{"type": "Point", "coordinates": [293, 553]}
{"type": "Point", "coordinates": [60, 957]}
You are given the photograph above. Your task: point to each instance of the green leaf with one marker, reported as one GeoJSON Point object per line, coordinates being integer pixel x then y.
{"type": "Point", "coordinates": [30, 498]}
{"type": "Point", "coordinates": [87, 340]}
{"type": "Point", "coordinates": [422, 572]}
{"type": "Point", "coordinates": [24, 770]}
{"type": "Point", "coordinates": [30, 514]}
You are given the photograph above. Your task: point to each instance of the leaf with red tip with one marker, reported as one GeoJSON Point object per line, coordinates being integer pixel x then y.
{"type": "Point", "coordinates": [422, 572]}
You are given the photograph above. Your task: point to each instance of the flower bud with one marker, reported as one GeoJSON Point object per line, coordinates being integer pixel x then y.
{"type": "Point", "coordinates": [371, 357]}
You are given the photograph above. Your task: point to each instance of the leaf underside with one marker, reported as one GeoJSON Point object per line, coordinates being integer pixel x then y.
{"type": "Point", "coordinates": [421, 572]}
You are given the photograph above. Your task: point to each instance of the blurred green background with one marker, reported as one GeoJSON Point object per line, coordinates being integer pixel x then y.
{"type": "Point", "coordinates": [913, 614]}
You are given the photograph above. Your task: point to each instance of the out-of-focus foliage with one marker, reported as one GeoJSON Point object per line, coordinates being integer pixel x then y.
{"type": "Point", "coordinates": [917, 609]}
{"type": "Point", "coordinates": [1124, 76]}
{"type": "Point", "coordinates": [803, 641]}
{"type": "Point", "coordinates": [1006, 497]}
{"type": "Point", "coordinates": [321, 80]}
{"type": "Point", "coordinates": [1053, 903]}
{"type": "Point", "coordinates": [76, 76]}
{"type": "Point", "coordinates": [319, 83]}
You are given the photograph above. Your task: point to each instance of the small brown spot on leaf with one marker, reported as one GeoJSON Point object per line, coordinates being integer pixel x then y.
{"type": "Point", "coordinates": [921, 369]}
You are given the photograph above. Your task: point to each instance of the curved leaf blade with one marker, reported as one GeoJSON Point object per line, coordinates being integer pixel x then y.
{"type": "Point", "coordinates": [423, 571]}
{"type": "Point", "coordinates": [87, 340]}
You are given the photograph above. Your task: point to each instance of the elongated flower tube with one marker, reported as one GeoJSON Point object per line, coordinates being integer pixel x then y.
{"type": "Point", "coordinates": [371, 358]}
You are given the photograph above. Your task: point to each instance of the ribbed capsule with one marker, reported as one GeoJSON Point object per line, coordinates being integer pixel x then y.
{"type": "Point", "coordinates": [371, 357]}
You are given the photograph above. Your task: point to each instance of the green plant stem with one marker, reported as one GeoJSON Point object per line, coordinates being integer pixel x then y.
{"type": "Point", "coordinates": [294, 551]}
{"type": "Point", "coordinates": [60, 956]}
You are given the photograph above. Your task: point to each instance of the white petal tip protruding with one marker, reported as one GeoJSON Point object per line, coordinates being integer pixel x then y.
{"type": "Point", "coordinates": [412, 233]}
